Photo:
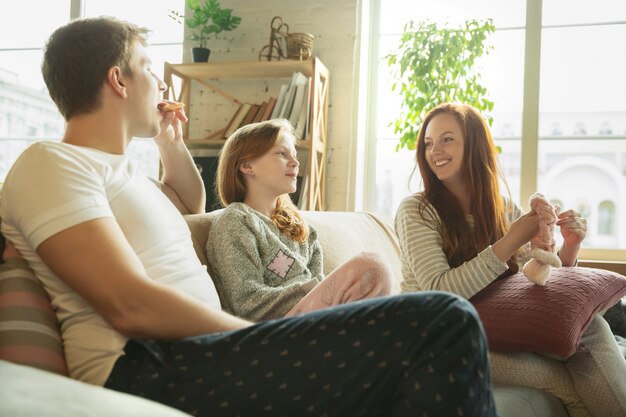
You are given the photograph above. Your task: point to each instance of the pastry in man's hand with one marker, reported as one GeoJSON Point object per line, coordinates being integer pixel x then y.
{"type": "Point", "coordinates": [167, 105]}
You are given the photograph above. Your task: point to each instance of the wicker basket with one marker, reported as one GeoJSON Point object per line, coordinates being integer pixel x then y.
{"type": "Point", "coordinates": [299, 46]}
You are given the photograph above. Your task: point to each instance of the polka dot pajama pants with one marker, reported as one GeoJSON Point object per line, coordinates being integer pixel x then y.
{"type": "Point", "coordinates": [409, 355]}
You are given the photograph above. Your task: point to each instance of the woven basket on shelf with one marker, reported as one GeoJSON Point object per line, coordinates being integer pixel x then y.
{"type": "Point", "coordinates": [299, 46]}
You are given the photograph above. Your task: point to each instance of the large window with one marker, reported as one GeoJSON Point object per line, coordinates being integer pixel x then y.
{"type": "Point", "coordinates": [27, 114]}
{"type": "Point", "coordinates": [581, 140]}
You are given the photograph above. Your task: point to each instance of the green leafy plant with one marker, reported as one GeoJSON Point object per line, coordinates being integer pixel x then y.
{"type": "Point", "coordinates": [434, 65]}
{"type": "Point", "coordinates": [207, 19]}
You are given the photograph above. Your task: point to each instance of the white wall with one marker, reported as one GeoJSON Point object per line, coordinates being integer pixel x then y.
{"type": "Point", "coordinates": [334, 25]}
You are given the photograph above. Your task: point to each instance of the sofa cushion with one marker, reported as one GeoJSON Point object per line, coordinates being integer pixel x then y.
{"type": "Point", "coordinates": [29, 332]}
{"type": "Point", "coordinates": [343, 235]}
{"type": "Point", "coordinates": [520, 316]}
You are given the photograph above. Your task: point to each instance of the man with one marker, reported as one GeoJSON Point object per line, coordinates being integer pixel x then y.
{"type": "Point", "coordinates": [139, 313]}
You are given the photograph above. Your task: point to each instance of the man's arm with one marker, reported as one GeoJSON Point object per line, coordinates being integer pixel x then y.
{"type": "Point", "coordinates": [181, 181]}
{"type": "Point", "coordinates": [95, 259]}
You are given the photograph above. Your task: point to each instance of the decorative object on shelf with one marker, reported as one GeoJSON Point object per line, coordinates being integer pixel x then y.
{"type": "Point", "coordinates": [434, 65]}
{"type": "Point", "coordinates": [276, 49]}
{"type": "Point", "coordinates": [207, 19]}
{"type": "Point", "coordinates": [299, 46]}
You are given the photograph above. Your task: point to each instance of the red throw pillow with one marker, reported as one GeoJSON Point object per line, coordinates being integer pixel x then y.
{"type": "Point", "coordinates": [519, 316]}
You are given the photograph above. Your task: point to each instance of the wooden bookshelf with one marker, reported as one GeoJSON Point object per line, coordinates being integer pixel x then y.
{"type": "Point", "coordinates": [314, 144]}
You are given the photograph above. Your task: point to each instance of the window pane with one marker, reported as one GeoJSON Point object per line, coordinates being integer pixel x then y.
{"type": "Point", "coordinates": [394, 14]}
{"type": "Point", "coordinates": [152, 14]}
{"type": "Point", "coordinates": [162, 54]}
{"type": "Point", "coordinates": [582, 126]}
{"type": "Point", "coordinates": [581, 72]}
{"type": "Point", "coordinates": [27, 113]}
{"type": "Point", "coordinates": [27, 24]}
{"type": "Point", "coordinates": [564, 12]}
{"type": "Point", "coordinates": [393, 170]}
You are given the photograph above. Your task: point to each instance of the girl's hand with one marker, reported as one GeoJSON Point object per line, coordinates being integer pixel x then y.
{"type": "Point", "coordinates": [573, 227]}
{"type": "Point", "coordinates": [171, 127]}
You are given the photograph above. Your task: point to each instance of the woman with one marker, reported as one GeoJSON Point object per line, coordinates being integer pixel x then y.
{"type": "Point", "coordinates": [266, 261]}
{"type": "Point", "coordinates": [459, 235]}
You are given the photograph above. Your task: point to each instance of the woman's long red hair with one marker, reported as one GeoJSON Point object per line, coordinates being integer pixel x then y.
{"type": "Point", "coordinates": [482, 173]}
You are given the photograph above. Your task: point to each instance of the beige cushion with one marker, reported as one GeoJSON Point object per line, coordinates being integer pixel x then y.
{"type": "Point", "coordinates": [342, 235]}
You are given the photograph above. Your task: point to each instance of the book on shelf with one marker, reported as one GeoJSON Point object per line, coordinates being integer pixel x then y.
{"type": "Point", "coordinates": [279, 101]}
{"type": "Point", "coordinates": [297, 79]}
{"type": "Point", "coordinates": [237, 119]}
{"type": "Point", "coordinates": [303, 203]}
{"type": "Point", "coordinates": [267, 114]}
{"type": "Point", "coordinates": [298, 100]}
{"type": "Point", "coordinates": [301, 123]}
{"type": "Point", "coordinates": [259, 114]}
{"type": "Point", "coordinates": [288, 97]}
{"type": "Point", "coordinates": [254, 108]}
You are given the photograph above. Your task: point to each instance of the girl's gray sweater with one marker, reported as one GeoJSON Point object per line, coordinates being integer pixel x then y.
{"type": "Point", "coordinates": [259, 272]}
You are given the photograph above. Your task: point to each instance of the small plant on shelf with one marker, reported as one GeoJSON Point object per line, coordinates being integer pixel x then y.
{"type": "Point", "coordinates": [207, 20]}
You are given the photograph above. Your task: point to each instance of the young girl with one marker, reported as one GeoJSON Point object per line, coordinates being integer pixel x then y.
{"type": "Point", "coordinates": [459, 235]}
{"type": "Point", "coordinates": [266, 261]}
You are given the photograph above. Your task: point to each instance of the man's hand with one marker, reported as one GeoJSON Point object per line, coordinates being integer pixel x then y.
{"type": "Point", "coordinates": [171, 127]}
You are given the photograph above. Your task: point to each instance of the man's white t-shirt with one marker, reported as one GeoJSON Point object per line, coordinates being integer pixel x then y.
{"type": "Point", "coordinates": [54, 186]}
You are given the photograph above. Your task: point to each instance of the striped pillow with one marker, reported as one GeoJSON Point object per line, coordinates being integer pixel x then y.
{"type": "Point", "coordinates": [29, 331]}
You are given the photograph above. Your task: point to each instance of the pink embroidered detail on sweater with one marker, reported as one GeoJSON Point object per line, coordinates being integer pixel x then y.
{"type": "Point", "coordinates": [281, 264]}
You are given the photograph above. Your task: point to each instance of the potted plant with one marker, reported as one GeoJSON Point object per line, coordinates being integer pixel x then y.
{"type": "Point", "coordinates": [206, 20]}
{"type": "Point", "coordinates": [435, 65]}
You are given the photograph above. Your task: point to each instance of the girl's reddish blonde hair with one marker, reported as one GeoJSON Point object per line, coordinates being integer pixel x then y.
{"type": "Point", "coordinates": [481, 172]}
{"type": "Point", "coordinates": [245, 145]}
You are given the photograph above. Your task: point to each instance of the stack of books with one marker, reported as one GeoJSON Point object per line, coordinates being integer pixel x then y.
{"type": "Point", "coordinates": [293, 103]}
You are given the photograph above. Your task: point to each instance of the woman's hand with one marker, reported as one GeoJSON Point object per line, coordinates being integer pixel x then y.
{"type": "Point", "coordinates": [524, 228]}
{"type": "Point", "coordinates": [171, 127]}
{"type": "Point", "coordinates": [521, 231]}
{"type": "Point", "coordinates": [573, 227]}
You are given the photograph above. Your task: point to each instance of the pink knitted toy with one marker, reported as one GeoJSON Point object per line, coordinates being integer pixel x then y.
{"type": "Point", "coordinates": [542, 245]}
